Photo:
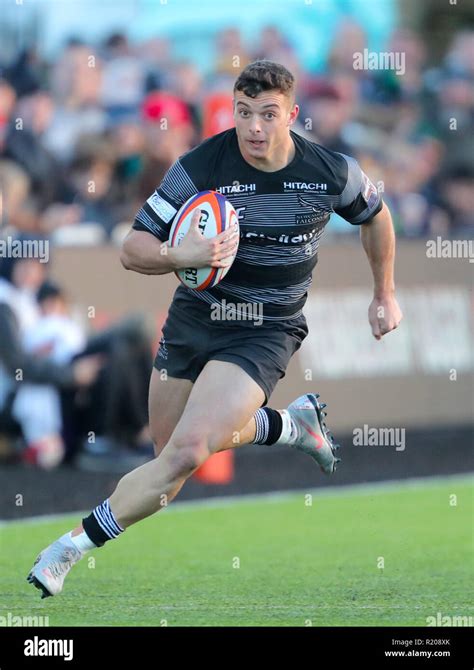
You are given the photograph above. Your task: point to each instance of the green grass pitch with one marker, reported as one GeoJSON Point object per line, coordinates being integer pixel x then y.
{"type": "Point", "coordinates": [268, 561]}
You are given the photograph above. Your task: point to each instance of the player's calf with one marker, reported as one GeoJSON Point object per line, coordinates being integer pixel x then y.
{"type": "Point", "coordinates": [139, 494]}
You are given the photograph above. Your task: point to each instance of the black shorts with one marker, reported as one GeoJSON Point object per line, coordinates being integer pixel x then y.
{"type": "Point", "coordinates": [191, 338]}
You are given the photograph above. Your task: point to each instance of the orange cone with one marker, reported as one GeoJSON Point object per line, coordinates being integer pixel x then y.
{"type": "Point", "coordinates": [218, 469]}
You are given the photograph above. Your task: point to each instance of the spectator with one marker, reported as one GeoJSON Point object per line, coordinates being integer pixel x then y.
{"type": "Point", "coordinates": [92, 180]}
{"type": "Point", "coordinates": [7, 105]}
{"type": "Point", "coordinates": [76, 87]}
{"type": "Point", "coordinates": [149, 107]}
{"type": "Point", "coordinates": [55, 335]}
{"type": "Point", "coordinates": [17, 207]}
{"type": "Point", "coordinates": [23, 400]}
{"type": "Point", "coordinates": [25, 144]}
{"type": "Point", "coordinates": [169, 133]}
{"type": "Point", "coordinates": [123, 78]}
{"type": "Point", "coordinates": [457, 191]}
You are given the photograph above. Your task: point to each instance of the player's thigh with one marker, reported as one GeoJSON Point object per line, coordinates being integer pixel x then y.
{"type": "Point", "coordinates": [166, 401]}
{"type": "Point", "coordinates": [222, 401]}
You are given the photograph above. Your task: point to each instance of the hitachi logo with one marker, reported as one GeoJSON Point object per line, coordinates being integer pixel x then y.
{"type": "Point", "coordinates": [305, 186]}
{"type": "Point", "coordinates": [236, 188]}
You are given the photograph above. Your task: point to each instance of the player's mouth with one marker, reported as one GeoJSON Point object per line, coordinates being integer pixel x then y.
{"type": "Point", "coordinates": [256, 143]}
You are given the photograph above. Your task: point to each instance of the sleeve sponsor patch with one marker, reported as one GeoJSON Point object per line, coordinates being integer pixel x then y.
{"type": "Point", "coordinates": [160, 206]}
{"type": "Point", "coordinates": [369, 191]}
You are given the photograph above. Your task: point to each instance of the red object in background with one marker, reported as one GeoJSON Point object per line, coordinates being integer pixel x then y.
{"type": "Point", "coordinates": [218, 469]}
{"type": "Point", "coordinates": [217, 114]}
{"type": "Point", "coordinates": [160, 105]}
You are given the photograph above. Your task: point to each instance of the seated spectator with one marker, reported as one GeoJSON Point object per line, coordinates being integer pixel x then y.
{"type": "Point", "coordinates": [22, 401]}
{"type": "Point", "coordinates": [76, 87]}
{"type": "Point", "coordinates": [457, 193]}
{"type": "Point", "coordinates": [92, 179]}
{"type": "Point", "coordinates": [7, 105]}
{"type": "Point", "coordinates": [55, 335]}
{"type": "Point", "coordinates": [27, 146]}
{"type": "Point", "coordinates": [123, 77]}
{"type": "Point", "coordinates": [17, 207]}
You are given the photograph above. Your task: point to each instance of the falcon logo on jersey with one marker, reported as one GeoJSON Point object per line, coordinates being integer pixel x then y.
{"type": "Point", "coordinates": [313, 219]}
{"type": "Point", "coordinates": [305, 202]}
{"type": "Point", "coordinates": [317, 216]}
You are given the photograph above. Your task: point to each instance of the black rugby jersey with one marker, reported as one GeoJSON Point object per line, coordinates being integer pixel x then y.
{"type": "Point", "coordinates": [282, 215]}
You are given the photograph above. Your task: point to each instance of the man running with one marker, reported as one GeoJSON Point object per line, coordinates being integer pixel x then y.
{"type": "Point", "coordinates": [212, 378]}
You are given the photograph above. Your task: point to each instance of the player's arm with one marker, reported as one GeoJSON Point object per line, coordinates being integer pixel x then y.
{"type": "Point", "coordinates": [361, 204]}
{"type": "Point", "coordinates": [378, 240]}
{"type": "Point", "coordinates": [145, 249]}
{"type": "Point", "coordinates": [144, 253]}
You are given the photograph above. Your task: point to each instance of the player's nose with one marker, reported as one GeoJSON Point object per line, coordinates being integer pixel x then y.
{"type": "Point", "coordinates": [255, 126]}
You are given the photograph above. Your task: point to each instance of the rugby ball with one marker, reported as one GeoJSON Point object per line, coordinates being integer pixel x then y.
{"type": "Point", "coordinates": [217, 215]}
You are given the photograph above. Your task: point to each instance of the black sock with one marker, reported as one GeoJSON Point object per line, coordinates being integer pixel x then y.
{"type": "Point", "coordinates": [101, 525]}
{"type": "Point", "coordinates": [269, 425]}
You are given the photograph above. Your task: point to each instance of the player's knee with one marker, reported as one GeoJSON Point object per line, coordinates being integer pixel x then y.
{"type": "Point", "coordinates": [159, 443]}
{"type": "Point", "coordinates": [158, 448]}
{"type": "Point", "coordinates": [188, 452]}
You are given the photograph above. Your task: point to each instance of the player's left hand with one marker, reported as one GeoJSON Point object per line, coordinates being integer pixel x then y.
{"type": "Point", "coordinates": [384, 315]}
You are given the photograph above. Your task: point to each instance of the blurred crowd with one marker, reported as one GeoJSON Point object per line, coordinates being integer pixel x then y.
{"type": "Point", "coordinates": [68, 396]}
{"type": "Point", "coordinates": [85, 139]}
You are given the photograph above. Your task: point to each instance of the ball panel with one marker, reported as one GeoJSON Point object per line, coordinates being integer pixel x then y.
{"type": "Point", "coordinates": [219, 214]}
{"type": "Point", "coordinates": [207, 283]}
{"type": "Point", "coordinates": [206, 201]}
{"type": "Point", "coordinates": [231, 218]}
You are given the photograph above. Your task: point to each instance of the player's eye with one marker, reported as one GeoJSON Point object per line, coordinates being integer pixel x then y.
{"type": "Point", "coordinates": [269, 116]}
{"type": "Point", "coordinates": [244, 113]}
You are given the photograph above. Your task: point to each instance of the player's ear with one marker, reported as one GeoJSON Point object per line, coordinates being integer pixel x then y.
{"type": "Point", "coordinates": [292, 116]}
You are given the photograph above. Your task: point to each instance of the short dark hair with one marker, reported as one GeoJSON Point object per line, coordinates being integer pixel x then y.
{"type": "Point", "coordinates": [49, 289]}
{"type": "Point", "coordinates": [265, 75]}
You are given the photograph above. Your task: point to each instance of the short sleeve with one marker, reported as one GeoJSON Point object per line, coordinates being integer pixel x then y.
{"type": "Point", "coordinates": [157, 213]}
{"type": "Point", "coordinates": [360, 199]}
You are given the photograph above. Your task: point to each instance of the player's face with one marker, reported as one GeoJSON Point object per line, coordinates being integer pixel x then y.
{"type": "Point", "coordinates": [263, 123]}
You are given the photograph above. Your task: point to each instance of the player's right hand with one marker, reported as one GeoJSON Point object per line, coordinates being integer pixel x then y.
{"type": "Point", "coordinates": [197, 251]}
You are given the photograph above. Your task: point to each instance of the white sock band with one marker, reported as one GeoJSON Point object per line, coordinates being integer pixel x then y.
{"type": "Point", "coordinates": [288, 431]}
{"type": "Point", "coordinates": [81, 541]}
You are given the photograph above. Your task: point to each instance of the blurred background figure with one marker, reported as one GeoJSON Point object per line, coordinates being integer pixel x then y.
{"type": "Point", "coordinates": [60, 385]}
{"type": "Point", "coordinates": [54, 335]}
{"type": "Point", "coordinates": [34, 364]}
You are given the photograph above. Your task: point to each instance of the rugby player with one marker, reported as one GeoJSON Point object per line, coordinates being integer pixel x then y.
{"type": "Point", "coordinates": [220, 374]}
